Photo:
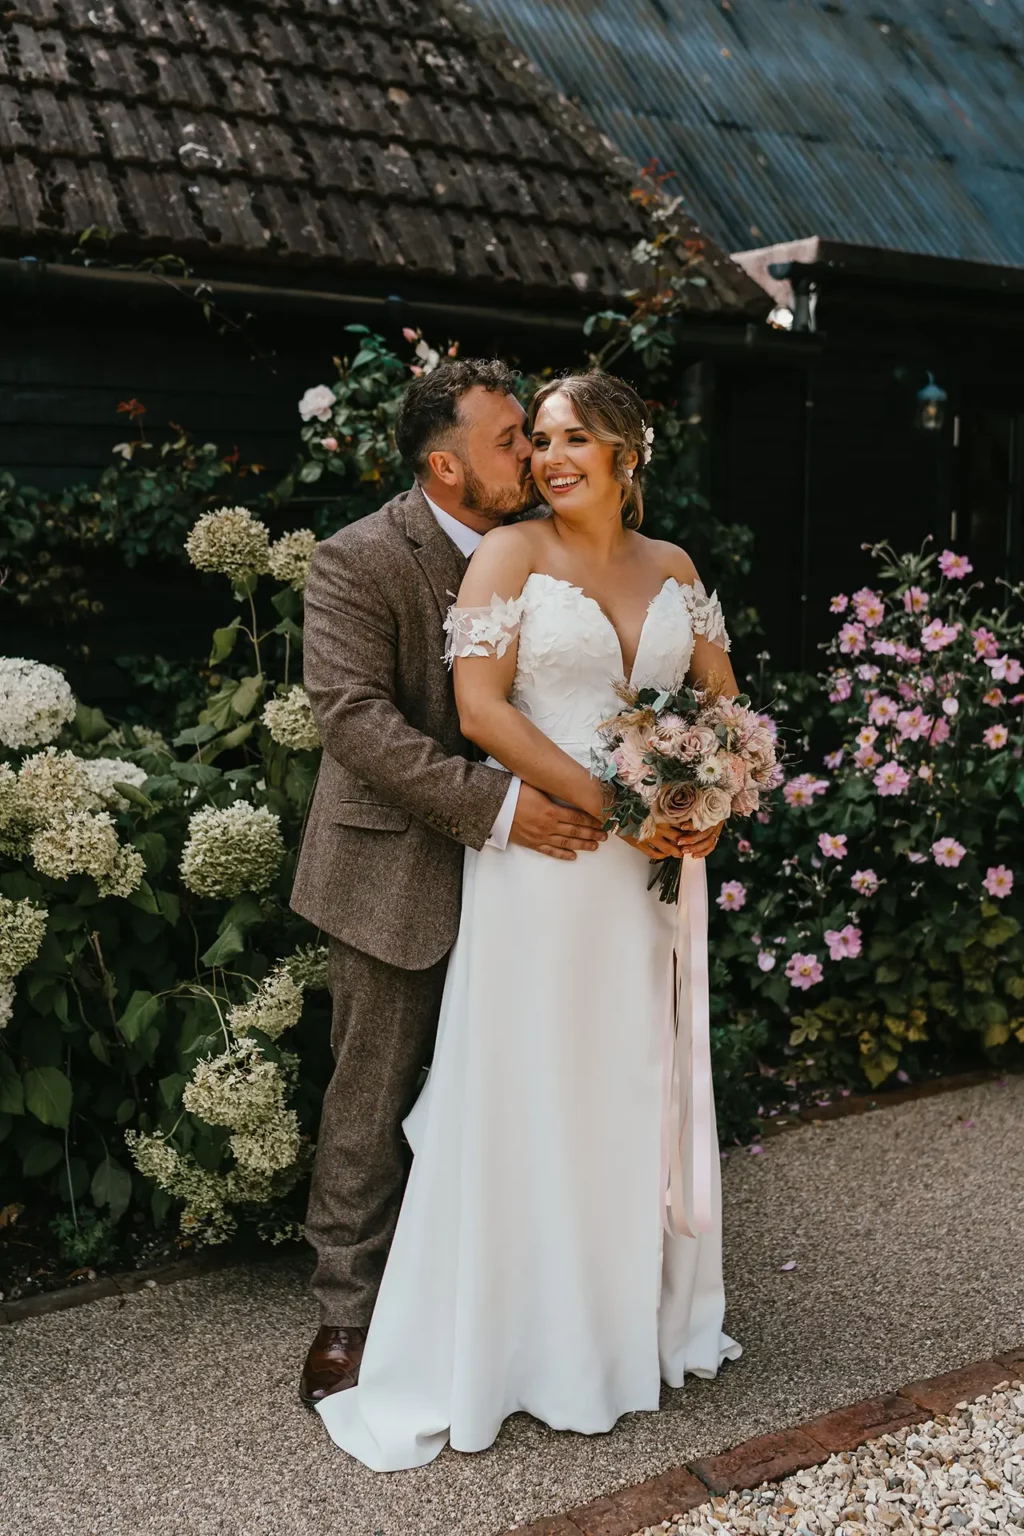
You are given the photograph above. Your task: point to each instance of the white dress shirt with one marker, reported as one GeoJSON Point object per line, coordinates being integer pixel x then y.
{"type": "Point", "coordinates": [467, 540]}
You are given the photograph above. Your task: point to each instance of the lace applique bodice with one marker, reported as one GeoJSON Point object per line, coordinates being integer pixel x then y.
{"type": "Point", "coordinates": [569, 658]}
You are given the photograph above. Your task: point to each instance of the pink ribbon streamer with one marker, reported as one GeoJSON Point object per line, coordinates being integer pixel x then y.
{"type": "Point", "coordinates": [688, 1110]}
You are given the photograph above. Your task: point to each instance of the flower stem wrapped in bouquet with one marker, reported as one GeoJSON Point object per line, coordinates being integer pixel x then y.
{"type": "Point", "coordinates": [691, 758]}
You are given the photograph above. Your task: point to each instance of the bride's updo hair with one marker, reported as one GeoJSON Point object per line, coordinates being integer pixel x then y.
{"type": "Point", "coordinates": [612, 412]}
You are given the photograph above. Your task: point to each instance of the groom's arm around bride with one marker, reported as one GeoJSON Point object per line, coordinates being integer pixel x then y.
{"type": "Point", "coordinates": [398, 798]}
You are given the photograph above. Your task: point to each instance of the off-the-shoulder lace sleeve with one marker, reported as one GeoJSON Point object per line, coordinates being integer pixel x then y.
{"type": "Point", "coordinates": [485, 631]}
{"type": "Point", "coordinates": [707, 616]}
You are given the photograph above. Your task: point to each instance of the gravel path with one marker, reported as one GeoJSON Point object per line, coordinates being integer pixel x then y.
{"type": "Point", "coordinates": [964, 1472]}
{"type": "Point", "coordinates": [173, 1412]}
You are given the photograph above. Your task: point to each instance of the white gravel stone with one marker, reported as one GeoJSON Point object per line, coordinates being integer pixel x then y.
{"type": "Point", "coordinates": [964, 1472]}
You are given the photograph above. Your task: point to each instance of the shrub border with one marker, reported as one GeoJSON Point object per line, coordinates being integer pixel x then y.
{"type": "Point", "coordinates": [768, 1458]}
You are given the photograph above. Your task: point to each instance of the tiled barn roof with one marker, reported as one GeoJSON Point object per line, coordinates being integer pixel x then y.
{"type": "Point", "coordinates": [375, 137]}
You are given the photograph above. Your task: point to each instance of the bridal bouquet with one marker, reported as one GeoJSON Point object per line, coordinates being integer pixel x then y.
{"type": "Point", "coordinates": [691, 758]}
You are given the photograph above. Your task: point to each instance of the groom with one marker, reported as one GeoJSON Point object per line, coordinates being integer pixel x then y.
{"type": "Point", "coordinates": [400, 793]}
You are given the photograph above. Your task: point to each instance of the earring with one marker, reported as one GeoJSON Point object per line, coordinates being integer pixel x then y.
{"type": "Point", "coordinates": [629, 476]}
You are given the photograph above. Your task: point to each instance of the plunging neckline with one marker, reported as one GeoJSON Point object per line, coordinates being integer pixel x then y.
{"type": "Point", "coordinates": [572, 587]}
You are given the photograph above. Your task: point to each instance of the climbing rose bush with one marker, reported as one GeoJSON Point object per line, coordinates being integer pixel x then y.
{"type": "Point", "coordinates": [880, 917]}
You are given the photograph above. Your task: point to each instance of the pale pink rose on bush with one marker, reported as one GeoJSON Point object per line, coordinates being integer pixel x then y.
{"type": "Point", "coordinates": [330, 443]}
{"type": "Point", "coordinates": [891, 779]}
{"type": "Point", "coordinates": [948, 852]}
{"type": "Point", "coordinates": [742, 845]}
{"type": "Point", "coordinates": [954, 566]}
{"type": "Point", "coordinates": [913, 723]}
{"type": "Point", "coordinates": [867, 757]}
{"type": "Point", "coordinates": [926, 772]}
{"type": "Point", "coordinates": [852, 639]}
{"type": "Point", "coordinates": [675, 803]}
{"type": "Point", "coordinates": [732, 896]}
{"type": "Point", "coordinates": [803, 971]}
{"type": "Point", "coordinates": [995, 737]}
{"type": "Point", "coordinates": [951, 707]}
{"type": "Point", "coordinates": [865, 882]}
{"type": "Point", "coordinates": [317, 402]}
{"type": "Point", "coordinates": [833, 847]}
{"type": "Point", "coordinates": [765, 960]}
{"type": "Point", "coordinates": [998, 881]}
{"type": "Point", "coordinates": [409, 334]}
{"type": "Point", "coordinates": [940, 732]}
{"type": "Point", "coordinates": [863, 595]}
{"type": "Point", "coordinates": [883, 710]}
{"type": "Point", "coordinates": [711, 806]}
{"type": "Point", "coordinates": [866, 736]}
{"type": "Point", "coordinates": [839, 604]}
{"type": "Point", "coordinates": [915, 600]}
{"type": "Point", "coordinates": [985, 643]}
{"type": "Point", "coordinates": [995, 697]}
{"type": "Point", "coordinates": [843, 943]}
{"type": "Point", "coordinates": [1005, 669]}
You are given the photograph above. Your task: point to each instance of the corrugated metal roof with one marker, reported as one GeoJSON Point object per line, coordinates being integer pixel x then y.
{"type": "Point", "coordinates": [876, 122]}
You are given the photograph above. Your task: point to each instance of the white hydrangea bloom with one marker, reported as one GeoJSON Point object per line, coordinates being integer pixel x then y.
{"type": "Point", "coordinates": [289, 719]}
{"type": "Point", "coordinates": [6, 1003]}
{"type": "Point", "coordinates": [82, 843]}
{"type": "Point", "coordinates": [22, 926]}
{"type": "Point", "coordinates": [230, 541]}
{"type": "Point", "coordinates": [270, 1147]}
{"type": "Point", "coordinates": [307, 965]}
{"type": "Point", "coordinates": [232, 849]}
{"type": "Point", "coordinates": [317, 402]}
{"type": "Point", "coordinates": [102, 773]}
{"type": "Point", "coordinates": [52, 782]}
{"type": "Point", "coordinates": [16, 824]}
{"type": "Point", "coordinates": [289, 557]}
{"type": "Point", "coordinates": [35, 702]}
{"type": "Point", "coordinates": [274, 1007]}
{"type": "Point", "coordinates": [240, 1088]}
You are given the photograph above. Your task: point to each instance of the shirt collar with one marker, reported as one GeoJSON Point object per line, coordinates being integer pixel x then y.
{"type": "Point", "coordinates": [464, 539]}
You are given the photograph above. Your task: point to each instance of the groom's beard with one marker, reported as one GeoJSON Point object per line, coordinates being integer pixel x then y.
{"type": "Point", "coordinates": [493, 501]}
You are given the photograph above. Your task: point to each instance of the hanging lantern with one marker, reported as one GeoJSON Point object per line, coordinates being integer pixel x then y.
{"type": "Point", "coordinates": [931, 407]}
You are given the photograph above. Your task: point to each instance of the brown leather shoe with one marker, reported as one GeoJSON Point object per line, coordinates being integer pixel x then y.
{"type": "Point", "coordinates": [332, 1364]}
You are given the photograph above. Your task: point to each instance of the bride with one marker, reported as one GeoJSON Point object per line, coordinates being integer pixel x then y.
{"type": "Point", "coordinates": [535, 1267]}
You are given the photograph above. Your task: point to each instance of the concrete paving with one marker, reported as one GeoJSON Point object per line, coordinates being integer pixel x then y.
{"type": "Point", "coordinates": [174, 1411]}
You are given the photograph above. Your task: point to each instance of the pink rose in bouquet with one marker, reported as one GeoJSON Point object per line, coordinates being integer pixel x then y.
{"type": "Point", "coordinates": [691, 758]}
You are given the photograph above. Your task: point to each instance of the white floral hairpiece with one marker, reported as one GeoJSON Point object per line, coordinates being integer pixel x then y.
{"type": "Point", "coordinates": [648, 444]}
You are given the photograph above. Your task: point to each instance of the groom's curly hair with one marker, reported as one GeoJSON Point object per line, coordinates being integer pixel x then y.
{"type": "Point", "coordinates": [429, 411]}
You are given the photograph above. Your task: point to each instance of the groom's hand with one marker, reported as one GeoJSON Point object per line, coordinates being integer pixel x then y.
{"type": "Point", "coordinates": [556, 830]}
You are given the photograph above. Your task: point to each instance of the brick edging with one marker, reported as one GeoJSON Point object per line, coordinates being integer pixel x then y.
{"type": "Point", "coordinates": [771, 1457]}
{"type": "Point", "coordinates": [125, 1284]}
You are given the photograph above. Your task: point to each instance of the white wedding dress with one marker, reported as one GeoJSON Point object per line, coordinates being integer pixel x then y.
{"type": "Point", "coordinates": [530, 1269]}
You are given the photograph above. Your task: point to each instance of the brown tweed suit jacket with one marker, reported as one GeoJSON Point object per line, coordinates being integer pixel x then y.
{"type": "Point", "coordinates": [398, 794]}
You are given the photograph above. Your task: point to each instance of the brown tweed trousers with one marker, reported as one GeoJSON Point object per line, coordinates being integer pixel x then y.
{"type": "Point", "coordinates": [398, 797]}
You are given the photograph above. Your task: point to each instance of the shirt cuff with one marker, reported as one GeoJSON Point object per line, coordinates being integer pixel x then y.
{"type": "Point", "coordinates": [505, 817]}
